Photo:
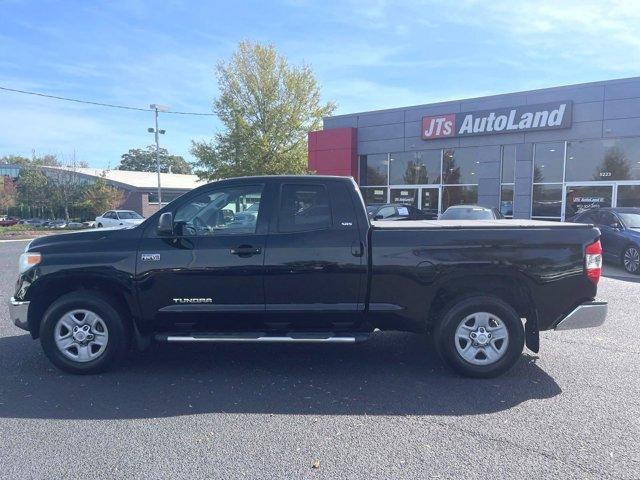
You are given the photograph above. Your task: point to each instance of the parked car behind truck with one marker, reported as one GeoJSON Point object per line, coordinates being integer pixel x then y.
{"type": "Point", "coordinates": [620, 228]}
{"type": "Point", "coordinates": [311, 268]}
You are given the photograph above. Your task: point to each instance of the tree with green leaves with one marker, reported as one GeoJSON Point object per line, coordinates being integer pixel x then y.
{"type": "Point", "coordinates": [140, 160]}
{"type": "Point", "coordinates": [8, 194]}
{"type": "Point", "coordinates": [67, 187]}
{"type": "Point", "coordinates": [267, 107]}
{"type": "Point", "coordinates": [35, 160]}
{"type": "Point", "coordinates": [100, 197]}
{"type": "Point", "coordinates": [35, 191]}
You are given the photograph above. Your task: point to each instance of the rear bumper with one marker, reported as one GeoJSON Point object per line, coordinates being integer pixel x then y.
{"type": "Point", "coordinates": [587, 315]}
{"type": "Point", "coordinates": [19, 313]}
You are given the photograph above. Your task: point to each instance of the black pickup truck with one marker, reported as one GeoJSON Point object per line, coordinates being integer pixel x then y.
{"type": "Point", "coordinates": [296, 259]}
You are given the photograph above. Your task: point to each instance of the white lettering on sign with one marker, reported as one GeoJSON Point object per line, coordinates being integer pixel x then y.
{"type": "Point", "coordinates": [504, 120]}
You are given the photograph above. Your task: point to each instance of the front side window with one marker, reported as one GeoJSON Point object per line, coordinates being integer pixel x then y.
{"type": "Point", "coordinates": [631, 220]}
{"type": "Point", "coordinates": [221, 212]}
{"type": "Point", "coordinates": [303, 208]}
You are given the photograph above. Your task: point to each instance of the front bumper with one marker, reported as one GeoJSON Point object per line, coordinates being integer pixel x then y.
{"type": "Point", "coordinates": [587, 315]}
{"type": "Point", "coordinates": [18, 313]}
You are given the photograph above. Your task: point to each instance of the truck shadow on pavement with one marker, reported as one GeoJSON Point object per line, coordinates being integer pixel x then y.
{"type": "Point", "coordinates": [392, 374]}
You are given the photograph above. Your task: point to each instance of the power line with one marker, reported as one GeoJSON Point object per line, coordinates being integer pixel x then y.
{"type": "Point", "coordinates": [99, 104]}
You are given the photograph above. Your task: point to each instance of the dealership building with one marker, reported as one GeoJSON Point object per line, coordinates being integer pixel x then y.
{"type": "Point", "coordinates": [544, 154]}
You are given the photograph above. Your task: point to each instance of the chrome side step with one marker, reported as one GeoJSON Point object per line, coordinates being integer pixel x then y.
{"type": "Point", "coordinates": [261, 337]}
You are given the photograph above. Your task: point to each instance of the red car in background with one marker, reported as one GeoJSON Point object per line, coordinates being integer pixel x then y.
{"type": "Point", "coordinates": [8, 221]}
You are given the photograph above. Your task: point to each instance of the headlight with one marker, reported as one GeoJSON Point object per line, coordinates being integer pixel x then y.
{"type": "Point", "coordinates": [28, 260]}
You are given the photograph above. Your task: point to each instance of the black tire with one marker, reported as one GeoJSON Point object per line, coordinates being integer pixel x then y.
{"type": "Point", "coordinates": [451, 318]}
{"type": "Point", "coordinates": [117, 344]}
{"type": "Point", "coordinates": [634, 252]}
{"type": "Point", "coordinates": [99, 225]}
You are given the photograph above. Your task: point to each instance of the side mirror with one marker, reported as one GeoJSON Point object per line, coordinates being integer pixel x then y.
{"type": "Point", "coordinates": [165, 224]}
{"type": "Point", "coordinates": [378, 217]}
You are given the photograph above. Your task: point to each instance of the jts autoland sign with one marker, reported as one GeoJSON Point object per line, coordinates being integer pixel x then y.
{"type": "Point", "coordinates": [525, 118]}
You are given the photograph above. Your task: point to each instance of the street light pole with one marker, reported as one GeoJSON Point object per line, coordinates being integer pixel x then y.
{"type": "Point", "coordinates": [158, 108]}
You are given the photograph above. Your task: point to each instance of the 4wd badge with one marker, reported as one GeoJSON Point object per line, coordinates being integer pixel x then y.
{"type": "Point", "coordinates": [150, 257]}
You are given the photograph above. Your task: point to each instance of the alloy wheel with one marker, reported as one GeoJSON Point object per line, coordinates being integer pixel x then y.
{"type": "Point", "coordinates": [631, 260]}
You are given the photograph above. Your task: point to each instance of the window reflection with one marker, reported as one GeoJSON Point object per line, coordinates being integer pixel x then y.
{"type": "Point", "coordinates": [455, 195]}
{"type": "Point", "coordinates": [547, 201]}
{"type": "Point", "coordinates": [548, 162]}
{"type": "Point", "coordinates": [460, 166]}
{"type": "Point", "coordinates": [603, 160]}
{"type": "Point", "coordinates": [415, 168]}
{"type": "Point", "coordinates": [373, 169]}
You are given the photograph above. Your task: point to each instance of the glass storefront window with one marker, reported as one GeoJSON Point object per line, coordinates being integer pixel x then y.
{"type": "Point", "coordinates": [374, 195]}
{"type": "Point", "coordinates": [506, 200]}
{"type": "Point", "coordinates": [548, 162]}
{"type": "Point", "coordinates": [508, 163]}
{"type": "Point", "coordinates": [603, 160]}
{"type": "Point", "coordinates": [458, 195]}
{"type": "Point", "coordinates": [414, 168]}
{"type": "Point", "coordinates": [405, 196]}
{"type": "Point", "coordinates": [373, 169]}
{"type": "Point", "coordinates": [460, 166]}
{"type": "Point", "coordinates": [581, 198]}
{"type": "Point", "coordinates": [628, 195]}
{"type": "Point", "coordinates": [547, 200]}
{"type": "Point", "coordinates": [430, 200]}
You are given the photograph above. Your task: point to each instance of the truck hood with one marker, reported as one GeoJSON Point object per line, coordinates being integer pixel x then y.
{"type": "Point", "coordinates": [83, 236]}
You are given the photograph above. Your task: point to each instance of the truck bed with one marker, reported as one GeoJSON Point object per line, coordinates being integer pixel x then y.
{"type": "Point", "coordinates": [475, 224]}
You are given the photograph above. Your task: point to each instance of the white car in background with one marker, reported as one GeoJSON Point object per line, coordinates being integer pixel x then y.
{"type": "Point", "coordinates": [119, 218]}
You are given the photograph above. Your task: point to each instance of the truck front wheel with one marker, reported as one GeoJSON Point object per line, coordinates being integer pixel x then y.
{"type": "Point", "coordinates": [82, 333]}
{"type": "Point", "coordinates": [480, 337]}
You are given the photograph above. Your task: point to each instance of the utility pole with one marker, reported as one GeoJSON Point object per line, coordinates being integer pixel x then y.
{"type": "Point", "coordinates": [157, 132]}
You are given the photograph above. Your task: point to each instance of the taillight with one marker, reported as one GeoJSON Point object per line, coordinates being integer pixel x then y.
{"type": "Point", "coordinates": [593, 261]}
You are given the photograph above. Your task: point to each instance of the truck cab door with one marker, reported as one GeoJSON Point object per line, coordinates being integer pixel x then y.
{"type": "Point", "coordinates": [315, 262]}
{"type": "Point", "coordinates": [208, 274]}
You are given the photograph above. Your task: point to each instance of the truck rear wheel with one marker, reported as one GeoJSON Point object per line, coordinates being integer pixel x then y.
{"type": "Point", "coordinates": [82, 333]}
{"type": "Point", "coordinates": [480, 337]}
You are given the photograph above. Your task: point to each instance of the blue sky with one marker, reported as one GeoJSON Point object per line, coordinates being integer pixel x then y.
{"type": "Point", "coordinates": [366, 55]}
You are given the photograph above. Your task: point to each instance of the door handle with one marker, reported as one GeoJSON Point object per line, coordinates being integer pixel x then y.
{"type": "Point", "coordinates": [245, 251]}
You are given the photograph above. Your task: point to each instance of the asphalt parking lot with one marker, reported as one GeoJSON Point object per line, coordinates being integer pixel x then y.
{"type": "Point", "coordinates": [382, 409]}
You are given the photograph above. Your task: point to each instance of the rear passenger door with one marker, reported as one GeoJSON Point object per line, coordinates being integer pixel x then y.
{"type": "Point", "coordinates": [314, 262]}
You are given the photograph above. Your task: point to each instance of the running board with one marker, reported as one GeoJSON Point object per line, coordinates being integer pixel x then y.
{"type": "Point", "coordinates": [262, 337]}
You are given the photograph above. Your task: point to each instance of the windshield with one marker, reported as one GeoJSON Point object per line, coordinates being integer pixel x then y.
{"type": "Point", "coordinates": [467, 214]}
{"type": "Point", "coordinates": [129, 216]}
{"type": "Point", "coordinates": [631, 220]}
{"type": "Point", "coordinates": [371, 209]}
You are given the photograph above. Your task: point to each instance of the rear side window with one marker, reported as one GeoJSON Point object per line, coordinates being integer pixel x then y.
{"type": "Point", "coordinates": [304, 207]}
{"type": "Point", "coordinates": [386, 212]}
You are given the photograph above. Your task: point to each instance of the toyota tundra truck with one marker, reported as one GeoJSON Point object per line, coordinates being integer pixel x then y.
{"type": "Point", "coordinates": [295, 259]}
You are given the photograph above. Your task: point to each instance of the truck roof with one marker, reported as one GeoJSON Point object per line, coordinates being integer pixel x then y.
{"type": "Point", "coordinates": [481, 224]}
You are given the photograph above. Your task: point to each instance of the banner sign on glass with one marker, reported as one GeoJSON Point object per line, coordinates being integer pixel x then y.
{"type": "Point", "coordinates": [525, 118]}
